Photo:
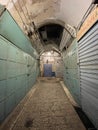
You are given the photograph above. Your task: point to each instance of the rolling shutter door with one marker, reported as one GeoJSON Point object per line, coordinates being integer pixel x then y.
{"type": "Point", "coordinates": [88, 65]}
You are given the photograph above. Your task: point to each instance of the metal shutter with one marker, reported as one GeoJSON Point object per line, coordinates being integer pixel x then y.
{"type": "Point", "coordinates": [88, 64]}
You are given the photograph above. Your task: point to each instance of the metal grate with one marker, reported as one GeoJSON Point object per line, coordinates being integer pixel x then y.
{"type": "Point", "coordinates": [88, 64]}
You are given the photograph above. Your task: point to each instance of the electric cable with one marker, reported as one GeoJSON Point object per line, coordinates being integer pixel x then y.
{"type": "Point", "coordinates": [31, 23]}
{"type": "Point", "coordinates": [18, 12]}
{"type": "Point", "coordinates": [27, 11]}
{"type": "Point", "coordinates": [29, 17]}
{"type": "Point", "coordinates": [22, 10]}
{"type": "Point", "coordinates": [92, 5]}
{"type": "Point", "coordinates": [8, 3]}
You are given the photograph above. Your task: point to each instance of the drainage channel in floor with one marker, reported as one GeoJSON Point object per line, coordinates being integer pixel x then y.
{"type": "Point", "coordinates": [87, 123]}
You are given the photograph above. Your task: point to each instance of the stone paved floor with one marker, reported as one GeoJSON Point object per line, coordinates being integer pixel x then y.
{"type": "Point", "coordinates": [48, 109]}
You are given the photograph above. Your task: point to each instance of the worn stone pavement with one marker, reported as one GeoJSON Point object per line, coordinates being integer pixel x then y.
{"type": "Point", "coordinates": [48, 109]}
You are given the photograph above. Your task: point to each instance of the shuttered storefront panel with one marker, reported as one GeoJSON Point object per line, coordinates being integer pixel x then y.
{"type": "Point", "coordinates": [12, 32]}
{"type": "Point", "coordinates": [88, 63]}
{"type": "Point", "coordinates": [18, 73]}
{"type": "Point", "coordinates": [71, 74]}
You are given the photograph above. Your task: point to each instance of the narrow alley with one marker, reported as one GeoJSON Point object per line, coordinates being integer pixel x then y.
{"type": "Point", "coordinates": [48, 108]}
{"type": "Point", "coordinates": [48, 65]}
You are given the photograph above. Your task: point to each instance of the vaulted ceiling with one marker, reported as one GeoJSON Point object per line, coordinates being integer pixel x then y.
{"type": "Point", "coordinates": [69, 11]}
{"type": "Point", "coordinates": [49, 16]}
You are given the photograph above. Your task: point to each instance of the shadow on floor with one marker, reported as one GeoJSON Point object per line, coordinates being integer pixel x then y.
{"type": "Point", "coordinates": [87, 123]}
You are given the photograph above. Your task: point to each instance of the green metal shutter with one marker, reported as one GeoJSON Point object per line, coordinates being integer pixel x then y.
{"type": "Point", "coordinates": [88, 64]}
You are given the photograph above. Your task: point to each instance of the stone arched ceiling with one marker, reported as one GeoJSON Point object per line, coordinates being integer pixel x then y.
{"type": "Point", "coordinates": [66, 13]}
{"type": "Point", "coordinates": [69, 11]}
